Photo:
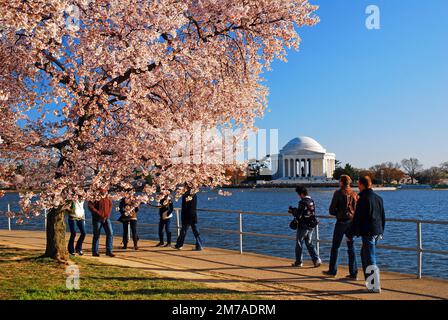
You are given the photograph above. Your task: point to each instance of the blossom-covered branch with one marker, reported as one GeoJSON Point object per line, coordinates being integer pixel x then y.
{"type": "Point", "coordinates": [106, 93]}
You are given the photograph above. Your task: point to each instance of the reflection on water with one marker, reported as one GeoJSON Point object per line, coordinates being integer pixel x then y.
{"type": "Point", "coordinates": [410, 204]}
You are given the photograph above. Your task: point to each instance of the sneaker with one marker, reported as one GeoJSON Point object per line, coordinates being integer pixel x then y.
{"type": "Point", "coordinates": [297, 265]}
{"type": "Point", "coordinates": [352, 277]}
{"type": "Point", "coordinates": [135, 247]}
{"type": "Point", "coordinates": [198, 249]}
{"type": "Point", "coordinates": [317, 263]}
{"type": "Point", "coordinates": [124, 247]}
{"type": "Point", "coordinates": [329, 274]}
{"type": "Point", "coordinates": [80, 252]}
{"type": "Point", "coordinates": [167, 245]}
{"type": "Point", "coordinates": [110, 254]}
{"type": "Point", "coordinates": [374, 290]}
{"type": "Point", "coordinates": [177, 248]}
{"type": "Point", "coordinates": [95, 254]}
{"type": "Point", "coordinates": [160, 244]}
{"type": "Point", "coordinates": [71, 253]}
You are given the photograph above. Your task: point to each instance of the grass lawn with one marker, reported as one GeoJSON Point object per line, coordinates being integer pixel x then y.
{"type": "Point", "coordinates": [24, 275]}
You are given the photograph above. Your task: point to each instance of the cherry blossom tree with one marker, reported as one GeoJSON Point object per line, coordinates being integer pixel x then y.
{"type": "Point", "coordinates": [104, 93]}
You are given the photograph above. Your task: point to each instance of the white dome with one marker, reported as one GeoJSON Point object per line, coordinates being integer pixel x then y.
{"type": "Point", "coordinates": [301, 145]}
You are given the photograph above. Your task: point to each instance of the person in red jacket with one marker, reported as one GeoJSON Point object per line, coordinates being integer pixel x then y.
{"type": "Point", "coordinates": [101, 211]}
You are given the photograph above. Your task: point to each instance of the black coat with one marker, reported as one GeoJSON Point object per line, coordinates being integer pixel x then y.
{"type": "Point", "coordinates": [126, 217]}
{"type": "Point", "coordinates": [189, 213]}
{"type": "Point", "coordinates": [168, 208]}
{"type": "Point", "coordinates": [305, 210]}
{"type": "Point", "coordinates": [370, 218]}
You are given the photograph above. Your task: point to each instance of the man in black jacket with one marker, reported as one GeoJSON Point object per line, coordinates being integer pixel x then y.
{"type": "Point", "coordinates": [189, 218]}
{"type": "Point", "coordinates": [369, 223]}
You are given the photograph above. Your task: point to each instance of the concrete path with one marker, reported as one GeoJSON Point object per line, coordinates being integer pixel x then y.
{"type": "Point", "coordinates": [264, 276]}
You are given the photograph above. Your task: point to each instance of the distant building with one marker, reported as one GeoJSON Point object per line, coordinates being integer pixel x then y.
{"type": "Point", "coordinates": [407, 180]}
{"type": "Point", "coordinates": [259, 169]}
{"type": "Point", "coordinates": [303, 158]}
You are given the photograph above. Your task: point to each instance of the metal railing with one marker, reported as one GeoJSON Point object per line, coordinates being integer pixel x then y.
{"type": "Point", "coordinates": [418, 249]}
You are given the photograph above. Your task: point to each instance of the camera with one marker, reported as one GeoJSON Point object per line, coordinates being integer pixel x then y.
{"type": "Point", "coordinates": [292, 210]}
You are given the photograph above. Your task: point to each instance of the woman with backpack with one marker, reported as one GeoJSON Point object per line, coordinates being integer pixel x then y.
{"type": "Point", "coordinates": [343, 206]}
{"type": "Point", "coordinates": [304, 221]}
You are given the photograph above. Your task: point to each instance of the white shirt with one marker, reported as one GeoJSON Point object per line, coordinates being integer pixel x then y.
{"type": "Point", "coordinates": [79, 213]}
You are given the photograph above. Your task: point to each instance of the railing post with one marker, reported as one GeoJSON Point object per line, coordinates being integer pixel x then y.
{"type": "Point", "coordinates": [419, 250]}
{"type": "Point", "coordinates": [177, 222]}
{"type": "Point", "coordinates": [9, 217]}
{"type": "Point", "coordinates": [45, 218]}
{"type": "Point", "coordinates": [241, 232]}
{"type": "Point", "coordinates": [317, 241]}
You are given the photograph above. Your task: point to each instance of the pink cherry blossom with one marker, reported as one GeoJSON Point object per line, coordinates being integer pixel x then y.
{"type": "Point", "coordinates": [98, 104]}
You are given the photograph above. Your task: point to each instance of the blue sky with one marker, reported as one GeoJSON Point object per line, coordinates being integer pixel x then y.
{"type": "Point", "coordinates": [368, 95]}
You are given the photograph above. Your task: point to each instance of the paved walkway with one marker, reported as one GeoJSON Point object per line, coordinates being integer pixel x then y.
{"type": "Point", "coordinates": [265, 276]}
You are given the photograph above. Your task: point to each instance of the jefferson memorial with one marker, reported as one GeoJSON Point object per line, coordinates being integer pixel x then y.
{"type": "Point", "coordinates": [303, 158]}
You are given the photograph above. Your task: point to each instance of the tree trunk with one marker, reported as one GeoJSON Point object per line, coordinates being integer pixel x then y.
{"type": "Point", "coordinates": [56, 245]}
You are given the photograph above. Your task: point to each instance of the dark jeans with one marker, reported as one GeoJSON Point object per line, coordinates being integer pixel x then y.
{"type": "Point", "coordinates": [133, 224]}
{"type": "Point", "coordinates": [341, 229]}
{"type": "Point", "coordinates": [368, 252]}
{"type": "Point", "coordinates": [165, 224]}
{"type": "Point", "coordinates": [183, 234]}
{"type": "Point", "coordinates": [72, 224]}
{"type": "Point", "coordinates": [107, 226]}
{"type": "Point", "coordinates": [305, 235]}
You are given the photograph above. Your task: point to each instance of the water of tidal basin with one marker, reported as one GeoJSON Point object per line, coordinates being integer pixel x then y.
{"type": "Point", "coordinates": [411, 204]}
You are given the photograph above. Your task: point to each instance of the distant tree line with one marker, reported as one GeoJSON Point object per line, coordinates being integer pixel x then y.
{"type": "Point", "coordinates": [392, 173]}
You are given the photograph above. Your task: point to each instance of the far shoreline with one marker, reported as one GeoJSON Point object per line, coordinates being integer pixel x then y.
{"type": "Point", "coordinates": [294, 185]}
{"type": "Point", "coordinates": [285, 186]}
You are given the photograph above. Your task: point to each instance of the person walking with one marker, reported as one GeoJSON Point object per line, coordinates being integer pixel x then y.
{"type": "Point", "coordinates": [343, 206]}
{"type": "Point", "coordinates": [189, 218]}
{"type": "Point", "coordinates": [305, 217]}
{"type": "Point", "coordinates": [166, 213]}
{"type": "Point", "coordinates": [129, 221]}
{"type": "Point", "coordinates": [101, 211]}
{"type": "Point", "coordinates": [369, 223]}
{"type": "Point", "coordinates": [76, 218]}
